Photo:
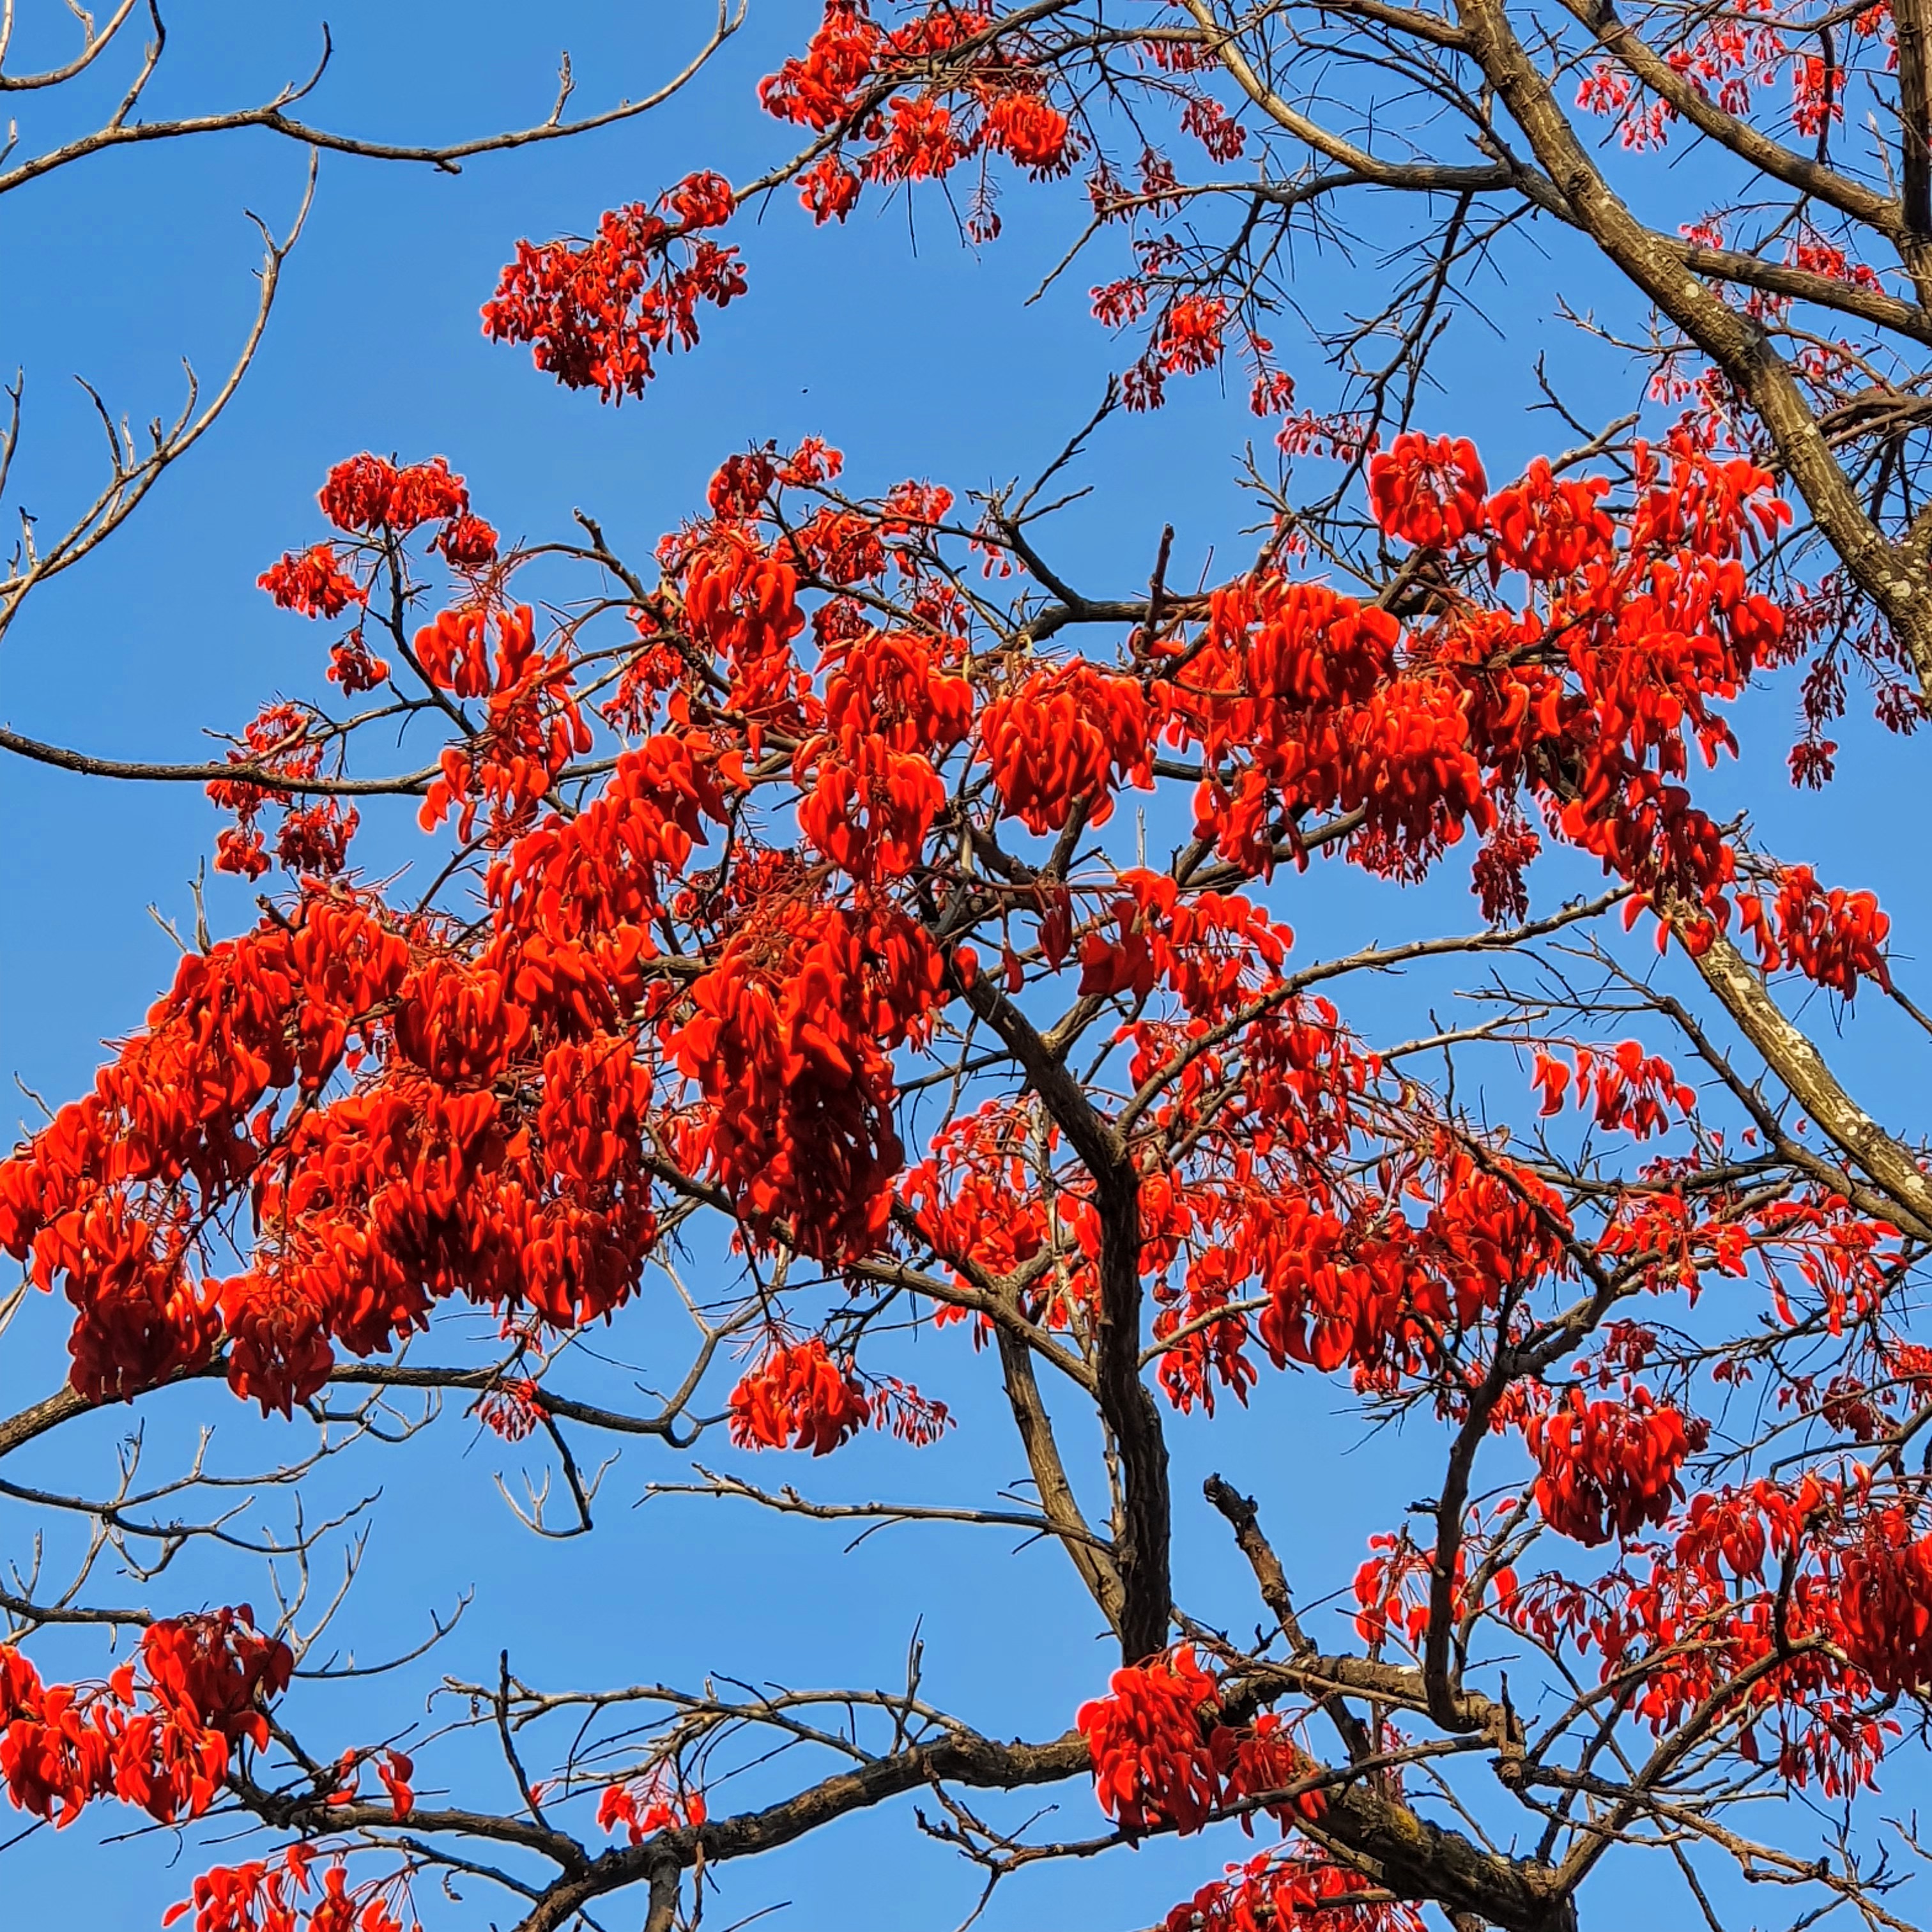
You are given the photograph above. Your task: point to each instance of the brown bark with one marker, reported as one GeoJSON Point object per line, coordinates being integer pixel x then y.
{"type": "Point", "coordinates": [1390, 1843]}
{"type": "Point", "coordinates": [1896, 579]}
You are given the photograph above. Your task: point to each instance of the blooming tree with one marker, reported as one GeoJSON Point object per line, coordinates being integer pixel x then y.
{"type": "Point", "coordinates": [842, 893]}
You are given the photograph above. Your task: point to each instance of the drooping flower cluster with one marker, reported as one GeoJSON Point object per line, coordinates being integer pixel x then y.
{"type": "Point", "coordinates": [1430, 494]}
{"type": "Point", "coordinates": [282, 1896]}
{"type": "Point", "coordinates": [1610, 1468]}
{"type": "Point", "coordinates": [160, 1734]}
{"type": "Point", "coordinates": [1836, 938]}
{"type": "Point", "coordinates": [1393, 1590]}
{"type": "Point", "coordinates": [798, 1397]}
{"type": "Point", "coordinates": [893, 712]}
{"type": "Point", "coordinates": [1275, 1891]}
{"type": "Point", "coordinates": [1625, 1088]}
{"type": "Point", "coordinates": [861, 78]}
{"type": "Point", "coordinates": [313, 584]}
{"type": "Point", "coordinates": [789, 1042]}
{"type": "Point", "coordinates": [279, 745]}
{"type": "Point", "coordinates": [533, 726]}
{"type": "Point", "coordinates": [418, 1181]}
{"type": "Point", "coordinates": [1064, 740]}
{"type": "Point", "coordinates": [1163, 1759]}
{"type": "Point", "coordinates": [1885, 1602]}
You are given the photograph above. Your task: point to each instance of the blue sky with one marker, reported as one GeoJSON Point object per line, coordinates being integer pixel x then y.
{"type": "Point", "coordinates": [917, 357]}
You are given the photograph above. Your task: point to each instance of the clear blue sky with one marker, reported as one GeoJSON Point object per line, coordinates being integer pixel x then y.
{"type": "Point", "coordinates": [916, 357]}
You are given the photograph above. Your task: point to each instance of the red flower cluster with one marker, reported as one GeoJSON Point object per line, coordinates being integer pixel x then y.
{"type": "Point", "coordinates": [313, 582]}
{"type": "Point", "coordinates": [1030, 130]}
{"type": "Point", "coordinates": [976, 1195]}
{"type": "Point", "coordinates": [1371, 1289]}
{"type": "Point", "coordinates": [1549, 530]}
{"type": "Point", "coordinates": [821, 87]}
{"type": "Point", "coordinates": [1212, 951]}
{"type": "Point", "coordinates": [1391, 1588]}
{"type": "Point", "coordinates": [1628, 1088]}
{"type": "Point", "coordinates": [647, 1805]}
{"type": "Point", "coordinates": [259, 1896]}
{"type": "Point", "coordinates": [789, 1040]}
{"type": "Point", "coordinates": [95, 1198]}
{"type": "Point", "coordinates": [372, 499]}
{"type": "Point", "coordinates": [467, 543]}
{"type": "Point", "coordinates": [1731, 59]}
{"type": "Point", "coordinates": [1394, 1588]}
{"type": "Point", "coordinates": [741, 602]}
{"type": "Point", "coordinates": [798, 1398]}
{"type": "Point", "coordinates": [892, 713]}
{"type": "Point", "coordinates": [1191, 335]}
{"type": "Point", "coordinates": [159, 1734]}
{"type": "Point", "coordinates": [828, 190]}
{"type": "Point", "coordinates": [1885, 1602]}
{"type": "Point", "coordinates": [1297, 698]}
{"type": "Point", "coordinates": [513, 1411]}
{"type": "Point", "coordinates": [533, 726]}
{"type": "Point", "coordinates": [1836, 938]}
{"type": "Point", "coordinates": [1149, 1738]}
{"type": "Point", "coordinates": [312, 840]}
{"type": "Point", "coordinates": [916, 142]}
{"type": "Point", "coordinates": [1610, 1468]}
{"type": "Point", "coordinates": [1289, 1892]}
{"type": "Point", "coordinates": [902, 1410]}
{"type": "Point", "coordinates": [1218, 131]}
{"type": "Point", "coordinates": [420, 1180]}
{"type": "Point", "coordinates": [850, 72]}
{"type": "Point", "coordinates": [1430, 494]}
{"type": "Point", "coordinates": [1161, 1757]}
{"type": "Point", "coordinates": [599, 313]}
{"type": "Point", "coordinates": [368, 494]}
{"type": "Point", "coordinates": [1066, 737]}
{"type": "Point", "coordinates": [279, 741]}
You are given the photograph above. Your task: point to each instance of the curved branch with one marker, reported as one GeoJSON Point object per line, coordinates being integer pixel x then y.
{"type": "Point", "coordinates": [1808, 176]}
{"type": "Point", "coordinates": [93, 44]}
{"type": "Point", "coordinates": [271, 116]}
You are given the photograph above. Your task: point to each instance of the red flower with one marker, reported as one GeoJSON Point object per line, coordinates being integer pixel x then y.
{"type": "Point", "coordinates": [395, 1768]}
{"type": "Point", "coordinates": [467, 542]}
{"type": "Point", "coordinates": [599, 313]}
{"type": "Point", "coordinates": [159, 1734]}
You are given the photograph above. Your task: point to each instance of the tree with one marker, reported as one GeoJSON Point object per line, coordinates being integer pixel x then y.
{"type": "Point", "coordinates": [842, 910]}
